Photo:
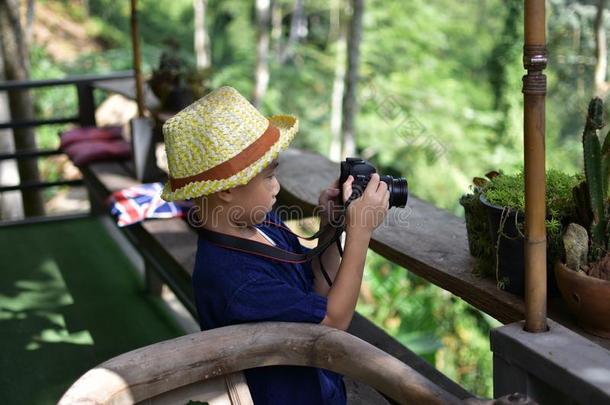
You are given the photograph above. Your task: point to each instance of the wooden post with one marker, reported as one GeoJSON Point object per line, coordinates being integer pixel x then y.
{"type": "Point", "coordinates": [142, 137]}
{"type": "Point", "coordinates": [135, 39]}
{"type": "Point", "coordinates": [86, 105]}
{"type": "Point", "coordinates": [534, 90]}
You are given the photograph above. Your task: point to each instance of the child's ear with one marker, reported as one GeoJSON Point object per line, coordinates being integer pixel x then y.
{"type": "Point", "coordinates": [224, 195]}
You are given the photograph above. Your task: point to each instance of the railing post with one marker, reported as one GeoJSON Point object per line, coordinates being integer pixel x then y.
{"type": "Point", "coordinates": [86, 105]}
{"type": "Point", "coordinates": [534, 90]}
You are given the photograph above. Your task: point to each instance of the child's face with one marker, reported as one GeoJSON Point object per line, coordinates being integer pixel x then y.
{"type": "Point", "coordinates": [252, 201]}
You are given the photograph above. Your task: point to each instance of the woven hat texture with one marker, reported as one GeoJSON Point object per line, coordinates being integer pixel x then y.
{"type": "Point", "coordinates": [212, 131]}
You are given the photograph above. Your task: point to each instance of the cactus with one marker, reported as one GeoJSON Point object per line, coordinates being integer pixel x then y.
{"type": "Point", "coordinates": [597, 164]}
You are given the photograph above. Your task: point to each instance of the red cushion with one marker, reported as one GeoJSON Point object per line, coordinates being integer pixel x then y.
{"type": "Point", "coordinates": [83, 153]}
{"type": "Point", "coordinates": [74, 135]}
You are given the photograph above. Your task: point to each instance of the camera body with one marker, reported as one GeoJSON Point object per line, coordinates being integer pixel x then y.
{"type": "Point", "coordinates": [361, 171]}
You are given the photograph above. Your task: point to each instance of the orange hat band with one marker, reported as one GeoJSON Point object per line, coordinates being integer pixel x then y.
{"type": "Point", "coordinates": [236, 164]}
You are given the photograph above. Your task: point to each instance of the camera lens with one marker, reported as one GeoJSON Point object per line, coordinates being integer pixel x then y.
{"type": "Point", "coordinates": [399, 190]}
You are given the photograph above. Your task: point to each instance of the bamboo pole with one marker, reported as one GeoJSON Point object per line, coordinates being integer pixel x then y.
{"type": "Point", "coordinates": [135, 40]}
{"type": "Point", "coordinates": [534, 91]}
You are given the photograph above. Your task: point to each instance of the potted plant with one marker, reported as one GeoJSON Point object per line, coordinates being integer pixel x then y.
{"type": "Point", "coordinates": [584, 276]}
{"type": "Point", "coordinates": [175, 83]}
{"type": "Point", "coordinates": [504, 201]}
{"type": "Point", "coordinates": [477, 226]}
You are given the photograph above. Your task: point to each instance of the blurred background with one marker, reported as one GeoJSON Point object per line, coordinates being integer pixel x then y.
{"type": "Point", "coordinates": [429, 90]}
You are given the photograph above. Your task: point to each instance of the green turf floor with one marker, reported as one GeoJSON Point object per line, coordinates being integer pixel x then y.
{"type": "Point", "coordinates": [69, 300]}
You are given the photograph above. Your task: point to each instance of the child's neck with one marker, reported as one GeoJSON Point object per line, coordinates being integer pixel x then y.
{"type": "Point", "coordinates": [229, 228]}
{"type": "Point", "coordinates": [224, 224]}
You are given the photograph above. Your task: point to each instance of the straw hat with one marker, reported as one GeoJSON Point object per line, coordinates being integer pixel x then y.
{"type": "Point", "coordinates": [219, 142]}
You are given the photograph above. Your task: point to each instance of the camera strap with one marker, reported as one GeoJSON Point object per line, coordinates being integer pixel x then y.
{"type": "Point", "coordinates": [271, 252]}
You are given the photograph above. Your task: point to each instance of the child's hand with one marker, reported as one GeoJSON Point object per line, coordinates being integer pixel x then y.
{"type": "Point", "coordinates": [328, 204]}
{"type": "Point", "coordinates": [368, 211]}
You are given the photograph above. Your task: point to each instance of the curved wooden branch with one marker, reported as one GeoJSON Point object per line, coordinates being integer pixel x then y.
{"type": "Point", "coordinates": [149, 371]}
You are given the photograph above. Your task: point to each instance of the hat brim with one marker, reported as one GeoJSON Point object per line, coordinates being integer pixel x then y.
{"type": "Point", "coordinates": [288, 126]}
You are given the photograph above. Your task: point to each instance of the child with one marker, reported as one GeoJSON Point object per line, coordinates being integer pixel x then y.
{"type": "Point", "coordinates": [222, 152]}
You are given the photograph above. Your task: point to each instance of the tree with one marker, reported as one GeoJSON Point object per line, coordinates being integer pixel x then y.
{"type": "Point", "coordinates": [202, 41]}
{"type": "Point", "coordinates": [297, 27]}
{"type": "Point", "coordinates": [276, 28]}
{"type": "Point", "coordinates": [348, 141]}
{"type": "Point", "coordinates": [338, 32]}
{"type": "Point", "coordinates": [11, 204]}
{"type": "Point", "coordinates": [261, 77]}
{"type": "Point", "coordinates": [16, 67]}
{"type": "Point", "coordinates": [601, 53]}
{"type": "Point", "coordinates": [505, 74]}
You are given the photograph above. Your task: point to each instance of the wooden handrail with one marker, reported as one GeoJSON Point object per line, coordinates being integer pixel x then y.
{"type": "Point", "coordinates": [38, 123]}
{"type": "Point", "coordinates": [31, 84]}
{"type": "Point", "coordinates": [165, 366]}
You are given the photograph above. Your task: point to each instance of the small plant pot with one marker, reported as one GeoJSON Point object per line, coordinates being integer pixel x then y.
{"type": "Point", "coordinates": [477, 230]}
{"type": "Point", "coordinates": [587, 297]}
{"type": "Point", "coordinates": [476, 227]}
{"type": "Point", "coordinates": [509, 249]}
{"type": "Point", "coordinates": [178, 98]}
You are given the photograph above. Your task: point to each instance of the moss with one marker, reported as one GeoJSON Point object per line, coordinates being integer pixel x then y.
{"type": "Point", "coordinates": [508, 191]}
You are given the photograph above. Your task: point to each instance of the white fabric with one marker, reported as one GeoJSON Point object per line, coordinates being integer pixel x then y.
{"type": "Point", "coordinates": [266, 237]}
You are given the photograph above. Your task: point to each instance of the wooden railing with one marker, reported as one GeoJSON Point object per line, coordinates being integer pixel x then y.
{"type": "Point", "coordinates": [422, 238]}
{"type": "Point", "coordinates": [173, 367]}
{"type": "Point", "coordinates": [85, 116]}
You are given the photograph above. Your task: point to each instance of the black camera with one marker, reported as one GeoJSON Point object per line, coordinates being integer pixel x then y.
{"type": "Point", "coordinates": [361, 170]}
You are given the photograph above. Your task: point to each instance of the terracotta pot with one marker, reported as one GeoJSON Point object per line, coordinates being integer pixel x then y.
{"type": "Point", "coordinates": [587, 297]}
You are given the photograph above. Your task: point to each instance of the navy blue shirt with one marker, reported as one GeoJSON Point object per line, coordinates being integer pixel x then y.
{"type": "Point", "coordinates": [234, 287]}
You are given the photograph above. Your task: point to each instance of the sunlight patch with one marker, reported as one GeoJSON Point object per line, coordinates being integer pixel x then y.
{"type": "Point", "coordinates": [60, 336]}
{"type": "Point", "coordinates": [44, 297]}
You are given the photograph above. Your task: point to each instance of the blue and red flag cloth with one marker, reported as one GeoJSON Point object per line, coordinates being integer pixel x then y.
{"type": "Point", "coordinates": [137, 203]}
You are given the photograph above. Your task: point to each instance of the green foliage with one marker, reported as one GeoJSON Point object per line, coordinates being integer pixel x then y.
{"type": "Point", "coordinates": [509, 191]}
{"type": "Point", "coordinates": [436, 325]}
{"type": "Point", "coordinates": [403, 99]}
{"type": "Point", "coordinates": [504, 73]}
